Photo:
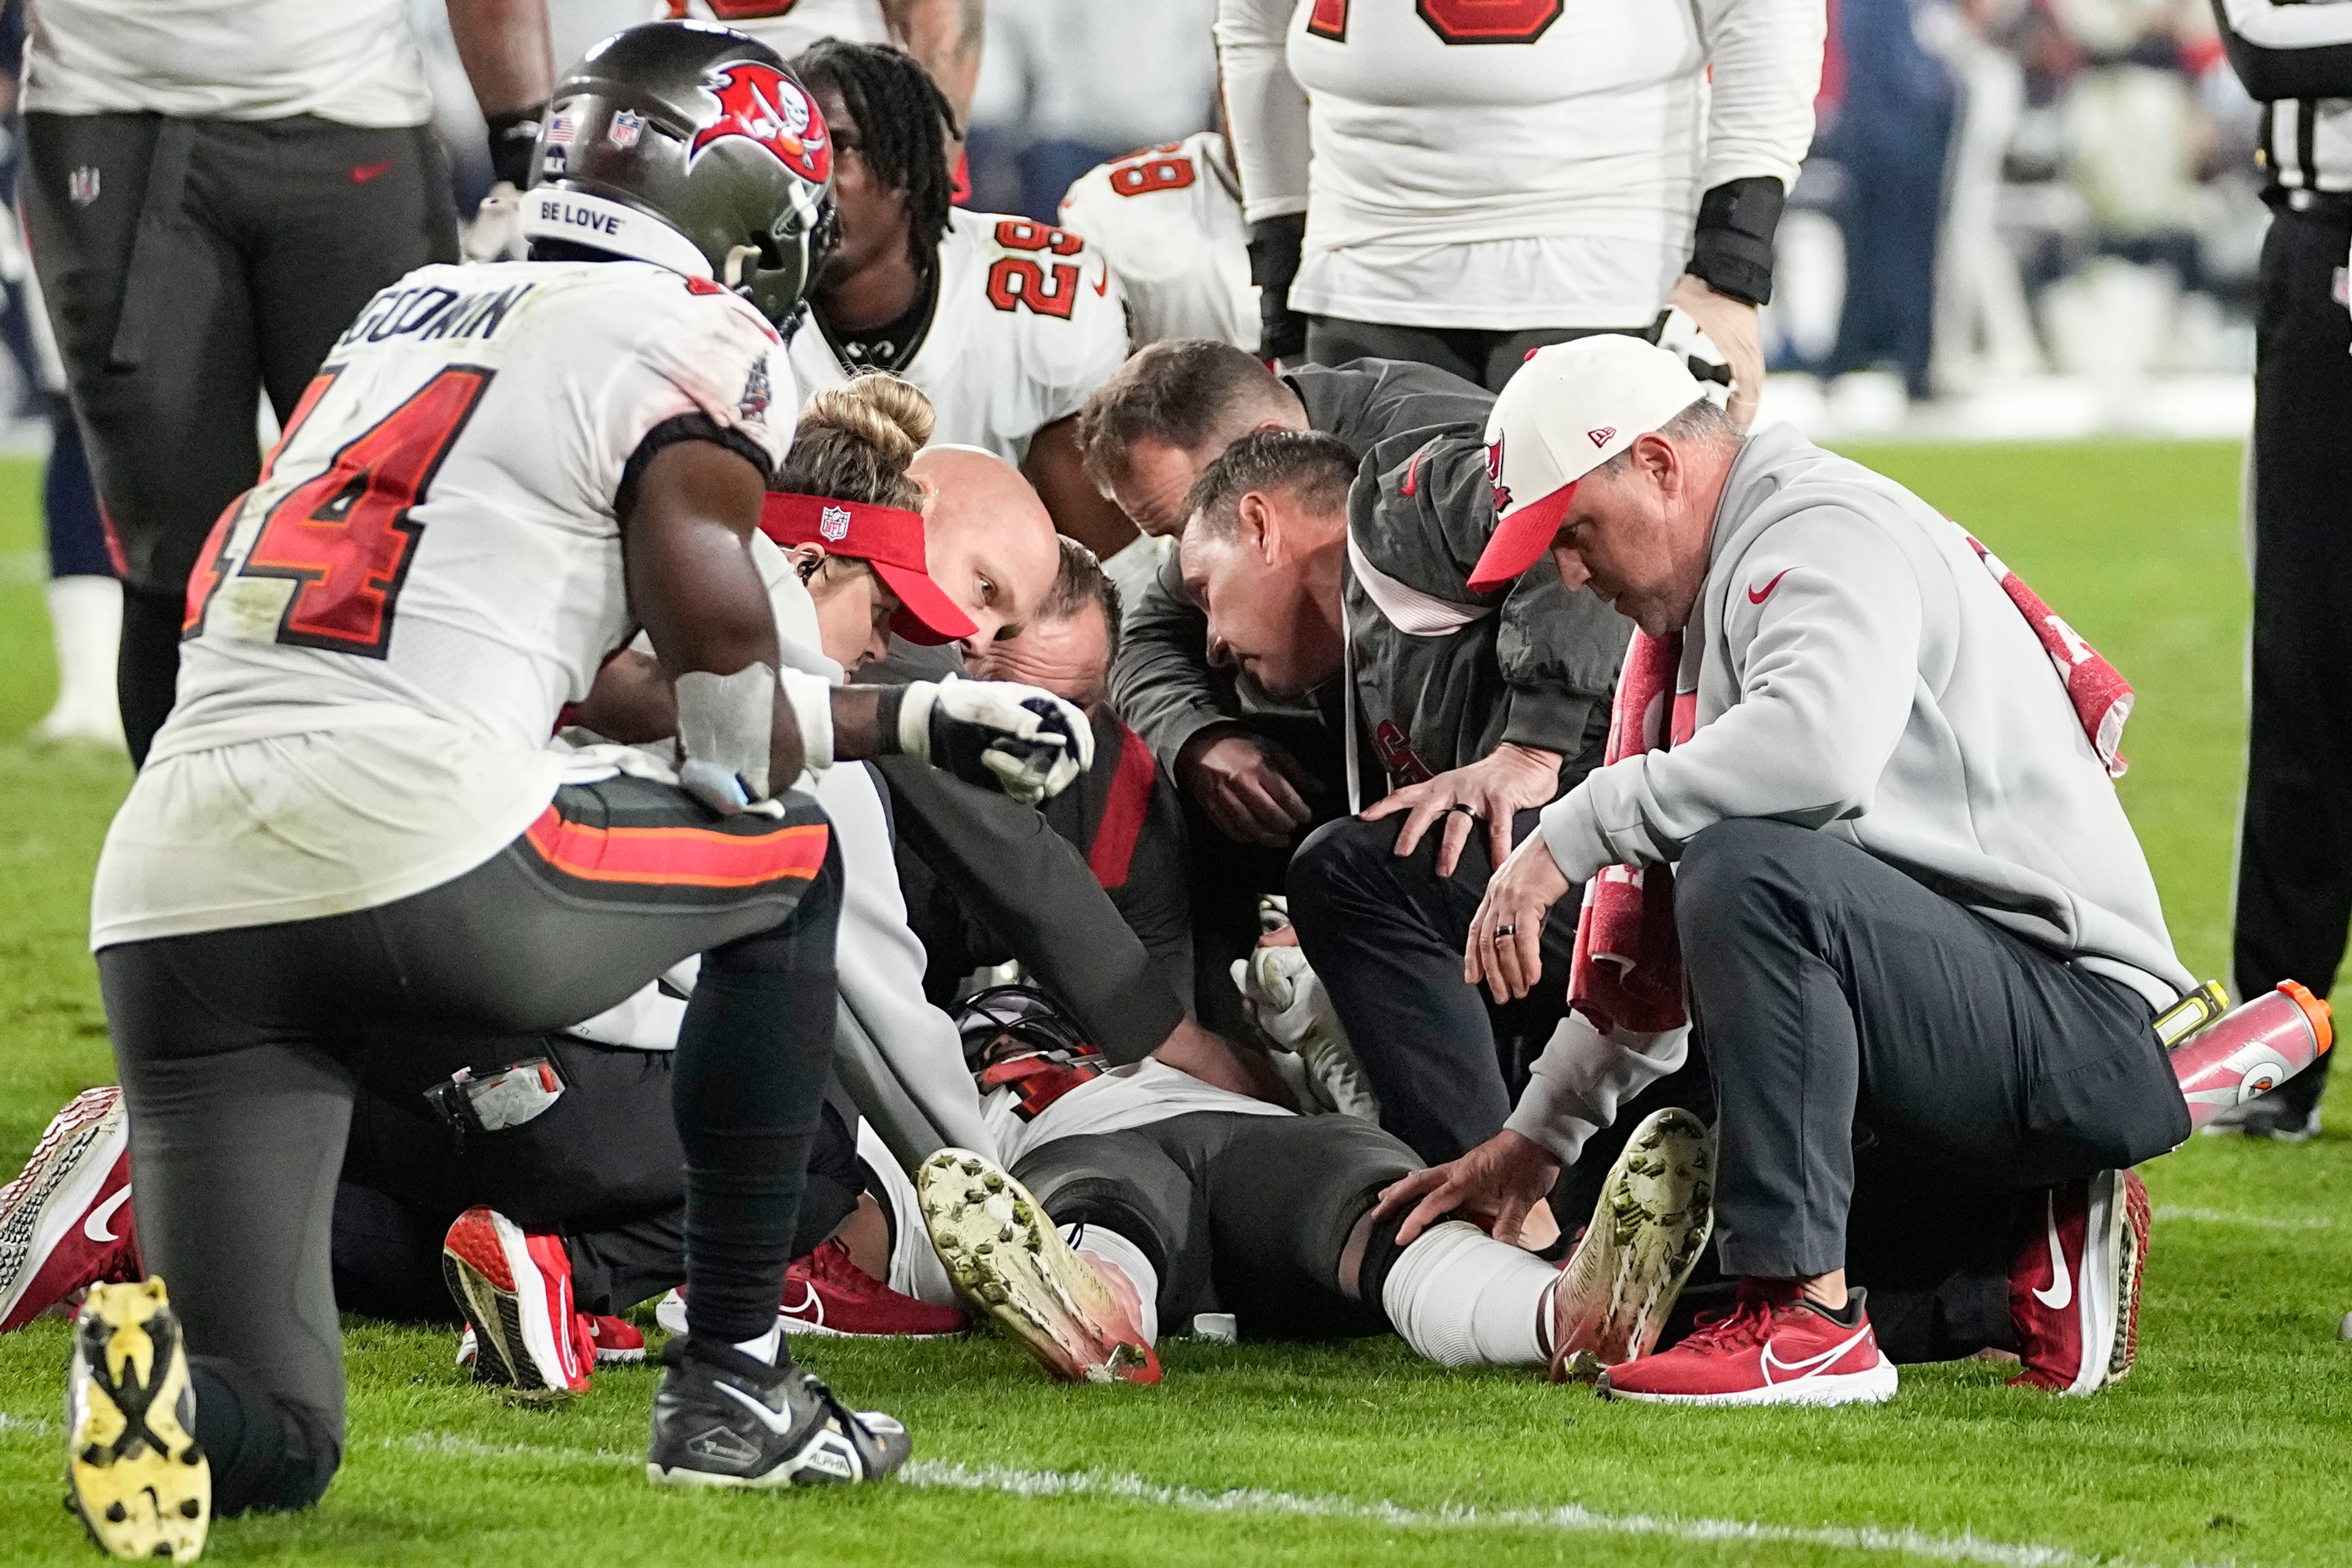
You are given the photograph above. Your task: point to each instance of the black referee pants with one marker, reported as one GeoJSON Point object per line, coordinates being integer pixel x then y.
{"type": "Point", "coordinates": [189, 267]}
{"type": "Point", "coordinates": [2294, 839]}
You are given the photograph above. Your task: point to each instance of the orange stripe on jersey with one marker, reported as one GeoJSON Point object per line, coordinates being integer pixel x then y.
{"type": "Point", "coordinates": [683, 857]}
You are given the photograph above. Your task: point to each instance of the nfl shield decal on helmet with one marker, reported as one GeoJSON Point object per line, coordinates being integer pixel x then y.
{"type": "Point", "coordinates": [764, 106]}
{"type": "Point", "coordinates": [626, 127]}
{"type": "Point", "coordinates": [834, 523]}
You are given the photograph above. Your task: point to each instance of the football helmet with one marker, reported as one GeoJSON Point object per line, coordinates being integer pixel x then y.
{"type": "Point", "coordinates": [694, 147]}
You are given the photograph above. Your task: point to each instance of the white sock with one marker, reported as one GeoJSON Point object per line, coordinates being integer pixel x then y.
{"type": "Point", "coordinates": [1100, 1245]}
{"type": "Point", "coordinates": [1462, 1299]}
{"type": "Point", "coordinates": [763, 1348]}
{"type": "Point", "coordinates": [915, 1266]}
{"type": "Point", "coordinates": [86, 623]}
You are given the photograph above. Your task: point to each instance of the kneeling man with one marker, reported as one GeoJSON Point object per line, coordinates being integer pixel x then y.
{"type": "Point", "coordinates": [1917, 937]}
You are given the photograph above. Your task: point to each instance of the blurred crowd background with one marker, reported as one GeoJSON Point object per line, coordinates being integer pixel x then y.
{"type": "Point", "coordinates": [2021, 217]}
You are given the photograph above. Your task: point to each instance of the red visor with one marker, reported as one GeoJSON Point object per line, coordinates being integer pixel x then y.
{"type": "Point", "coordinates": [1520, 540]}
{"type": "Point", "coordinates": [886, 538]}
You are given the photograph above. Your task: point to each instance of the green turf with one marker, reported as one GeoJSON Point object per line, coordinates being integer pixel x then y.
{"type": "Point", "coordinates": [2226, 1446]}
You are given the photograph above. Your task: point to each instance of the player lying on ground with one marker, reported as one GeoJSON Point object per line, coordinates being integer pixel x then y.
{"type": "Point", "coordinates": [352, 818]}
{"type": "Point", "coordinates": [1134, 1198]}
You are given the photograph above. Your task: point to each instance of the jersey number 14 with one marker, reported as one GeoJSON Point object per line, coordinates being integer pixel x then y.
{"type": "Point", "coordinates": [344, 536]}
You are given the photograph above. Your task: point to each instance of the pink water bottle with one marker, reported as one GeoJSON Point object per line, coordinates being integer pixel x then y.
{"type": "Point", "coordinates": [2252, 1049]}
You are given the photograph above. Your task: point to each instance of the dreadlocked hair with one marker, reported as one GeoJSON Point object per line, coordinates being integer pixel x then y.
{"type": "Point", "coordinates": [904, 121]}
{"type": "Point", "coordinates": [853, 442]}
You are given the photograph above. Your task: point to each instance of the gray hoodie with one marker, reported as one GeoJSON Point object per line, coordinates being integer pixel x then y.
{"type": "Point", "coordinates": [1856, 669]}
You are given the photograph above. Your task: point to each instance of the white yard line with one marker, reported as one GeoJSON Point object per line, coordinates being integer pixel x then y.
{"type": "Point", "coordinates": [1569, 1518]}
{"type": "Point", "coordinates": [2231, 1216]}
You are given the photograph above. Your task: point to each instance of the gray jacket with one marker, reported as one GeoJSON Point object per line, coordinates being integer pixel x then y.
{"type": "Point", "coordinates": [1443, 676]}
{"type": "Point", "coordinates": [1856, 669]}
{"type": "Point", "coordinates": [1162, 684]}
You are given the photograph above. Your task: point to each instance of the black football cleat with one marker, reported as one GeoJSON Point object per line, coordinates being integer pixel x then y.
{"type": "Point", "coordinates": [723, 1418]}
{"type": "Point", "coordinates": [134, 1472]}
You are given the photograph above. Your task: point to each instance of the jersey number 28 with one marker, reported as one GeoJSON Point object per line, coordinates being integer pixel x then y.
{"type": "Point", "coordinates": [1455, 21]}
{"type": "Point", "coordinates": [344, 536]}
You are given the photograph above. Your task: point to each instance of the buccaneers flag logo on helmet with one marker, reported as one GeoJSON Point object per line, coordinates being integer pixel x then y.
{"type": "Point", "coordinates": [1495, 476]}
{"type": "Point", "coordinates": [762, 104]}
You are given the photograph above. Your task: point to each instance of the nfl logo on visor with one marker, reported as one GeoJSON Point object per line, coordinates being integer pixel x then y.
{"type": "Point", "coordinates": [834, 523]}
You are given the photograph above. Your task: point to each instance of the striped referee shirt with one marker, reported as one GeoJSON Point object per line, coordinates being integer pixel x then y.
{"type": "Point", "coordinates": [2295, 58]}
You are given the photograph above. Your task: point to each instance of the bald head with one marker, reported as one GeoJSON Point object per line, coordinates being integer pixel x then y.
{"type": "Point", "coordinates": [988, 540]}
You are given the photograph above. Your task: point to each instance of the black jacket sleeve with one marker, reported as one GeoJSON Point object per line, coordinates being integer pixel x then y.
{"type": "Point", "coordinates": [1029, 887]}
{"type": "Point", "coordinates": [2288, 51]}
{"type": "Point", "coordinates": [1162, 683]}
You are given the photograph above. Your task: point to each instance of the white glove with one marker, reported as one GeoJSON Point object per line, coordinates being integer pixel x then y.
{"type": "Point", "coordinates": [1286, 1001]}
{"type": "Point", "coordinates": [1024, 739]}
{"type": "Point", "coordinates": [496, 233]}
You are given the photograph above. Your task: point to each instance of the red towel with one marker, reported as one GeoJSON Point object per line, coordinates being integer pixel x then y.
{"type": "Point", "coordinates": [1628, 969]}
{"type": "Point", "coordinates": [2102, 698]}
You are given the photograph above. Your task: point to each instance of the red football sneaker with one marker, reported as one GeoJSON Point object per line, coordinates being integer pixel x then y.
{"type": "Point", "coordinates": [65, 1221]}
{"type": "Point", "coordinates": [825, 1293]}
{"type": "Point", "coordinates": [515, 1288]}
{"type": "Point", "coordinates": [1773, 1347]}
{"type": "Point", "coordinates": [2074, 1281]}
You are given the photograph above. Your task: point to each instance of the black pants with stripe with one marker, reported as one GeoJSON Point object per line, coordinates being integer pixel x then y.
{"type": "Point", "coordinates": [2294, 843]}
{"type": "Point", "coordinates": [190, 266]}
{"type": "Point", "coordinates": [240, 1052]}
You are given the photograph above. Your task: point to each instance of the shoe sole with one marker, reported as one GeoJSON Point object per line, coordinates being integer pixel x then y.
{"type": "Point", "coordinates": [1655, 1213]}
{"type": "Point", "coordinates": [1010, 1261]}
{"type": "Point", "coordinates": [2103, 1281]}
{"type": "Point", "coordinates": [134, 1474]}
{"type": "Point", "coordinates": [796, 1468]}
{"type": "Point", "coordinates": [38, 1209]}
{"type": "Point", "coordinates": [669, 1315]}
{"type": "Point", "coordinates": [501, 1328]}
{"type": "Point", "coordinates": [1875, 1386]}
{"type": "Point", "coordinates": [2138, 1221]}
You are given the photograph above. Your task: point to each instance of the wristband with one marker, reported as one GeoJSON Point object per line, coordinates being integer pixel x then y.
{"type": "Point", "coordinates": [1731, 252]}
{"type": "Point", "coordinates": [514, 143]}
{"type": "Point", "coordinates": [887, 707]}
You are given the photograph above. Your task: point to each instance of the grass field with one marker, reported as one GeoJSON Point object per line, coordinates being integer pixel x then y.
{"type": "Point", "coordinates": [2227, 1445]}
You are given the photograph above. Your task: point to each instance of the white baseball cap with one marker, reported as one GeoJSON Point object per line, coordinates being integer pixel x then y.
{"type": "Point", "coordinates": [1569, 408]}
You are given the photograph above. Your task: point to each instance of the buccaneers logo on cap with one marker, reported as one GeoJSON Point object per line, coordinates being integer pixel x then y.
{"type": "Point", "coordinates": [760, 104]}
{"type": "Point", "coordinates": [1495, 476]}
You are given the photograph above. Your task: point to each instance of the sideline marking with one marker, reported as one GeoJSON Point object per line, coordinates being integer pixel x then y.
{"type": "Point", "coordinates": [1571, 1518]}
{"type": "Point", "coordinates": [2231, 1216]}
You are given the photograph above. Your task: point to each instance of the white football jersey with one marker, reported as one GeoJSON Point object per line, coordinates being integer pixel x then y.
{"type": "Point", "coordinates": [1169, 221]}
{"type": "Point", "coordinates": [1507, 163]}
{"type": "Point", "coordinates": [382, 633]}
{"type": "Point", "coordinates": [1029, 320]}
{"type": "Point", "coordinates": [788, 27]}
{"type": "Point", "coordinates": [354, 63]}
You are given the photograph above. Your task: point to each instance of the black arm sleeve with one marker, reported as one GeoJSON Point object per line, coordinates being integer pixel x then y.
{"type": "Point", "coordinates": [1732, 249]}
{"type": "Point", "coordinates": [2318, 69]}
{"type": "Point", "coordinates": [1033, 892]}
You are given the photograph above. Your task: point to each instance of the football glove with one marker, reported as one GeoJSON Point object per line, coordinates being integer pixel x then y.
{"type": "Point", "coordinates": [1678, 333]}
{"type": "Point", "coordinates": [1285, 999]}
{"type": "Point", "coordinates": [1023, 739]}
